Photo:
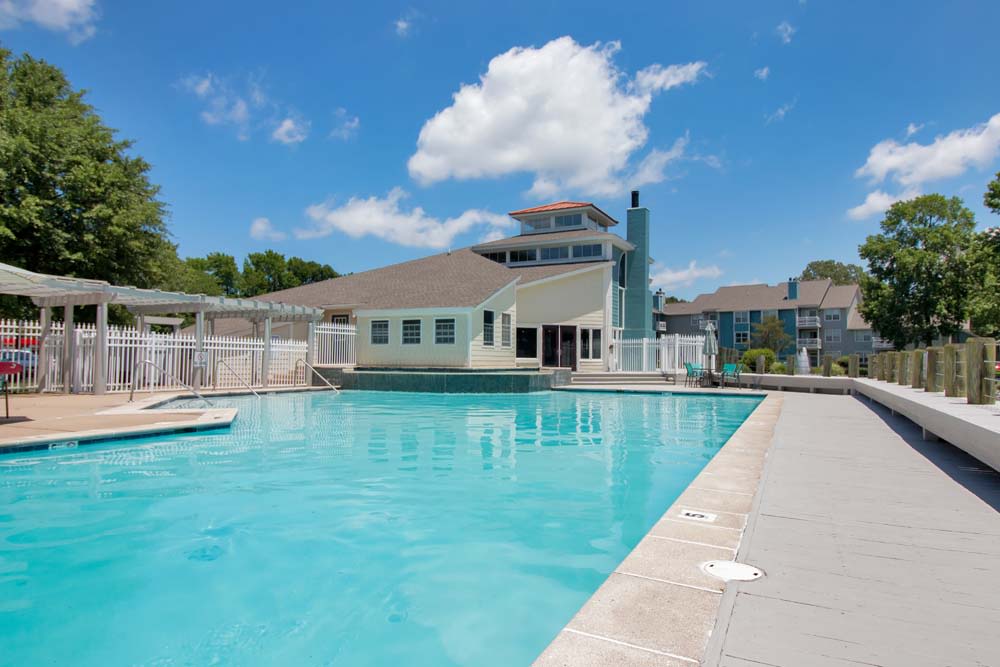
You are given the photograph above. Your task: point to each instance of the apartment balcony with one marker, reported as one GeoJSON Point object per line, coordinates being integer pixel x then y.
{"type": "Point", "coordinates": [809, 343]}
{"type": "Point", "coordinates": [881, 343]}
{"type": "Point", "coordinates": [810, 322]}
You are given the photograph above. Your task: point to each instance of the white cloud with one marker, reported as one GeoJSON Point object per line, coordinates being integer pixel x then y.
{"type": "Point", "coordinates": [780, 113]}
{"type": "Point", "coordinates": [261, 229]}
{"type": "Point", "coordinates": [912, 164]}
{"type": "Point", "coordinates": [74, 17]}
{"type": "Point", "coordinates": [668, 278]}
{"type": "Point", "coordinates": [403, 26]}
{"type": "Point", "coordinates": [291, 131]}
{"type": "Point", "coordinates": [762, 73]}
{"type": "Point", "coordinates": [785, 30]}
{"type": "Point", "coordinates": [347, 125]}
{"type": "Point", "coordinates": [562, 112]}
{"type": "Point", "coordinates": [386, 219]}
{"type": "Point", "coordinates": [653, 166]}
{"type": "Point", "coordinates": [877, 202]}
{"type": "Point", "coordinates": [913, 128]}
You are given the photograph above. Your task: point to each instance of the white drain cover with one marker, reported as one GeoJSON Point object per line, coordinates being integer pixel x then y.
{"type": "Point", "coordinates": [729, 570]}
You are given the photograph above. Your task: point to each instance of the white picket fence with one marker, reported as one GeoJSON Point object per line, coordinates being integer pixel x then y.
{"type": "Point", "coordinates": [335, 344]}
{"type": "Point", "coordinates": [231, 362]}
{"type": "Point", "coordinates": [666, 354]}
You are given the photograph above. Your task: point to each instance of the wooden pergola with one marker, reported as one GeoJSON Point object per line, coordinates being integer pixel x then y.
{"type": "Point", "coordinates": [48, 292]}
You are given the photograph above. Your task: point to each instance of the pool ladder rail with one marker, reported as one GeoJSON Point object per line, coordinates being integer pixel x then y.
{"type": "Point", "coordinates": [215, 376]}
{"type": "Point", "coordinates": [149, 362]}
{"type": "Point", "coordinates": [316, 372]}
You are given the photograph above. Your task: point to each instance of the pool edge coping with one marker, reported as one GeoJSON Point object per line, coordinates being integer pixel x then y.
{"type": "Point", "coordinates": [620, 622]}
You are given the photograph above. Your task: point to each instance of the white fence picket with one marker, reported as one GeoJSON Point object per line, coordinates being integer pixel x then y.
{"type": "Point", "coordinates": [335, 344]}
{"type": "Point", "coordinates": [666, 354]}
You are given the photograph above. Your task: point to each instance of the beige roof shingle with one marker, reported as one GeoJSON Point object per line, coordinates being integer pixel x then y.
{"type": "Point", "coordinates": [812, 294]}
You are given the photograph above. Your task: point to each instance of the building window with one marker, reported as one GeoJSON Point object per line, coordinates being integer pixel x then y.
{"type": "Point", "coordinates": [527, 342]}
{"type": "Point", "coordinates": [696, 320]}
{"type": "Point", "coordinates": [488, 328]}
{"type": "Point", "coordinates": [590, 343]}
{"type": "Point", "coordinates": [444, 332]}
{"type": "Point", "coordinates": [561, 252]}
{"type": "Point", "coordinates": [742, 337]}
{"type": "Point", "coordinates": [380, 332]}
{"type": "Point", "coordinates": [342, 320]}
{"type": "Point", "coordinates": [769, 313]}
{"type": "Point", "coordinates": [505, 329]}
{"type": "Point", "coordinates": [831, 315]}
{"type": "Point", "coordinates": [831, 336]}
{"type": "Point", "coordinates": [862, 336]}
{"type": "Point", "coordinates": [590, 250]}
{"type": "Point", "coordinates": [500, 256]}
{"type": "Point", "coordinates": [572, 220]}
{"type": "Point", "coordinates": [742, 316]}
{"type": "Point", "coordinates": [411, 332]}
{"type": "Point", "coordinates": [538, 223]}
{"type": "Point", "coordinates": [522, 255]}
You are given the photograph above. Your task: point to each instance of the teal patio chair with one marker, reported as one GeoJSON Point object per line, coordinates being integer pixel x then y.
{"type": "Point", "coordinates": [695, 374]}
{"type": "Point", "coordinates": [732, 371]}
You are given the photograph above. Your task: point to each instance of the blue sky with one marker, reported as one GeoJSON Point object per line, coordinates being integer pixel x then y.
{"type": "Point", "coordinates": [763, 134]}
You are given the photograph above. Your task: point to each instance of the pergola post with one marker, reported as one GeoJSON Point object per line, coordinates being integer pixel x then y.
{"type": "Point", "coordinates": [199, 349]}
{"type": "Point", "coordinates": [266, 357]}
{"type": "Point", "coordinates": [42, 367]}
{"type": "Point", "coordinates": [101, 351]}
{"type": "Point", "coordinates": [265, 361]}
{"type": "Point", "coordinates": [311, 343]}
{"type": "Point", "coordinates": [70, 383]}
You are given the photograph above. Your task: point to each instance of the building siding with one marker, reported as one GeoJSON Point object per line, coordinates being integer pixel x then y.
{"type": "Point", "coordinates": [496, 356]}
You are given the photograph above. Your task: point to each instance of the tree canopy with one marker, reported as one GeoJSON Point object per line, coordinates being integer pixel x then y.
{"type": "Point", "coordinates": [72, 199]}
{"type": "Point", "coordinates": [770, 334]}
{"type": "Point", "coordinates": [838, 272]}
{"type": "Point", "coordinates": [919, 270]}
{"type": "Point", "coordinates": [991, 198]}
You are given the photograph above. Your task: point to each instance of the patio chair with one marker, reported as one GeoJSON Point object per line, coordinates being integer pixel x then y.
{"type": "Point", "coordinates": [695, 374]}
{"type": "Point", "coordinates": [731, 371]}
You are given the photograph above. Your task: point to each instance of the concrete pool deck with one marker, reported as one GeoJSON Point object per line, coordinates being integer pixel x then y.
{"type": "Point", "coordinates": [878, 548]}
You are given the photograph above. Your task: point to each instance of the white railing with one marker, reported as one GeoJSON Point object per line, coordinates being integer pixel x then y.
{"type": "Point", "coordinates": [809, 343]}
{"type": "Point", "coordinates": [335, 345]}
{"type": "Point", "coordinates": [808, 322]}
{"type": "Point", "coordinates": [172, 358]}
{"type": "Point", "coordinates": [666, 354]}
{"type": "Point", "coordinates": [881, 343]}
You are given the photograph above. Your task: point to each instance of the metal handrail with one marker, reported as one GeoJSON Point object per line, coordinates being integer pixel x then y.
{"type": "Point", "coordinates": [135, 376]}
{"type": "Point", "coordinates": [215, 376]}
{"type": "Point", "coordinates": [310, 367]}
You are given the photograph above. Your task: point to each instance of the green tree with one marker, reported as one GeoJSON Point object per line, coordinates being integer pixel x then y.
{"type": "Point", "coordinates": [265, 272]}
{"type": "Point", "coordinates": [770, 333]}
{"type": "Point", "coordinates": [307, 272]}
{"type": "Point", "coordinates": [918, 286]}
{"type": "Point", "coordinates": [838, 272]}
{"type": "Point", "coordinates": [991, 199]}
{"type": "Point", "coordinates": [73, 201]}
{"type": "Point", "coordinates": [222, 268]}
{"type": "Point", "coordinates": [984, 306]}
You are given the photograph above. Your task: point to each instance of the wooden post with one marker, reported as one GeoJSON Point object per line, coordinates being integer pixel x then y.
{"type": "Point", "coordinates": [790, 364]}
{"type": "Point", "coordinates": [902, 364]}
{"type": "Point", "coordinates": [949, 360]}
{"type": "Point", "coordinates": [990, 372]}
{"type": "Point", "coordinates": [979, 352]}
{"type": "Point", "coordinates": [761, 364]}
{"type": "Point", "coordinates": [853, 366]}
{"type": "Point", "coordinates": [960, 365]}
{"type": "Point", "coordinates": [827, 365]}
{"type": "Point", "coordinates": [931, 383]}
{"type": "Point", "coordinates": [917, 369]}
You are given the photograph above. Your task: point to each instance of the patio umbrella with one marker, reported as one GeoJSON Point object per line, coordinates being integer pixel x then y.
{"type": "Point", "coordinates": [711, 347]}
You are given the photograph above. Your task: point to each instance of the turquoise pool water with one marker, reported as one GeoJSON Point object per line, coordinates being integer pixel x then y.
{"type": "Point", "coordinates": [362, 529]}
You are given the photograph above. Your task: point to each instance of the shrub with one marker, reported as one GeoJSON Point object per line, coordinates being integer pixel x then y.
{"type": "Point", "coordinates": [843, 361]}
{"type": "Point", "coordinates": [779, 368]}
{"type": "Point", "coordinates": [750, 359]}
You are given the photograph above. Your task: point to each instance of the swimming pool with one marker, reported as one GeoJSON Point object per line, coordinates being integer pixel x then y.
{"type": "Point", "coordinates": [367, 528]}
